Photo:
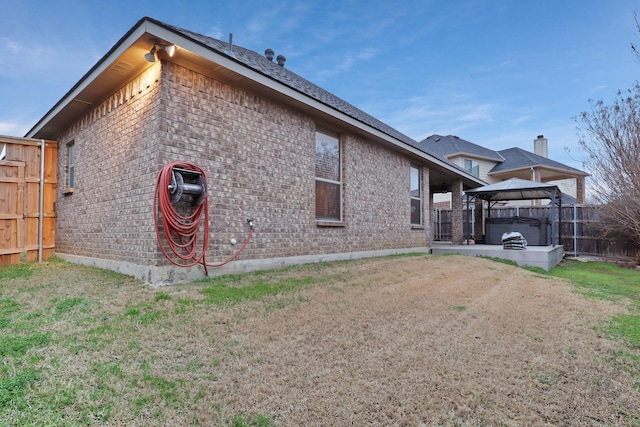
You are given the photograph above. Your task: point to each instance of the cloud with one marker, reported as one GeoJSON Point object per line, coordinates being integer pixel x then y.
{"type": "Point", "coordinates": [215, 32]}
{"type": "Point", "coordinates": [16, 57]}
{"type": "Point", "coordinates": [346, 62]}
{"type": "Point", "coordinates": [426, 115]}
{"type": "Point", "coordinates": [13, 129]}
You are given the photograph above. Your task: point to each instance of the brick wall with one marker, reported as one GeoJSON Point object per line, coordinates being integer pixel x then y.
{"type": "Point", "coordinates": [108, 215]}
{"type": "Point", "coordinates": [259, 158]}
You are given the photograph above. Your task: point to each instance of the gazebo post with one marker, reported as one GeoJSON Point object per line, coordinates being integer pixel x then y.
{"type": "Point", "coordinates": [560, 220]}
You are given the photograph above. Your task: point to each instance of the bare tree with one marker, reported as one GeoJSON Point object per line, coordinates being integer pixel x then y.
{"type": "Point", "coordinates": [634, 47]}
{"type": "Point", "coordinates": [610, 136]}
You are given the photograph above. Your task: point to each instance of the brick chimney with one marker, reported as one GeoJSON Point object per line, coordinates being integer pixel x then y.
{"type": "Point", "coordinates": [540, 146]}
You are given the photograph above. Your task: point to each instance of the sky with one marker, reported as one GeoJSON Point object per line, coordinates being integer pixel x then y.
{"type": "Point", "coordinates": [494, 72]}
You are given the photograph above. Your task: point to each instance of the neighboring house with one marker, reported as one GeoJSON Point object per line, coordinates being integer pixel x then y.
{"type": "Point", "coordinates": [495, 166]}
{"type": "Point", "coordinates": [320, 178]}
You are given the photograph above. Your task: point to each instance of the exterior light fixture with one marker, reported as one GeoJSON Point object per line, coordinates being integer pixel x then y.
{"type": "Point", "coordinates": [151, 56]}
{"type": "Point", "coordinates": [171, 49]}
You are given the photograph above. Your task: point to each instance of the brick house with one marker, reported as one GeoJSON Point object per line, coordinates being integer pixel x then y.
{"type": "Point", "coordinates": [320, 179]}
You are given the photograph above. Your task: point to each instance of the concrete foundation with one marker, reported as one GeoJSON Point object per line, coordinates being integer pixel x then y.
{"type": "Point", "coordinates": [171, 274]}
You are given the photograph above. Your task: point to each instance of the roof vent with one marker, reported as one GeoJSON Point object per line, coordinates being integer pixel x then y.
{"type": "Point", "coordinates": [281, 60]}
{"type": "Point", "coordinates": [268, 53]}
{"type": "Point", "coordinates": [230, 49]}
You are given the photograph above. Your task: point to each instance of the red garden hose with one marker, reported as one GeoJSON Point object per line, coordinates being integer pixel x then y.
{"type": "Point", "coordinates": [181, 231]}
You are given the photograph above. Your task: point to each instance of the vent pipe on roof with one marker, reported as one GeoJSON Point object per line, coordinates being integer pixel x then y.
{"type": "Point", "coordinates": [540, 146]}
{"type": "Point", "coordinates": [269, 53]}
{"type": "Point", "coordinates": [230, 49]}
{"type": "Point", "coordinates": [281, 60]}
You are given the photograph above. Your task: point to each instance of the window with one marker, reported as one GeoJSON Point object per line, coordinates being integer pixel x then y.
{"type": "Point", "coordinates": [416, 196]}
{"type": "Point", "coordinates": [70, 166]}
{"type": "Point", "coordinates": [472, 166]}
{"type": "Point", "coordinates": [328, 177]}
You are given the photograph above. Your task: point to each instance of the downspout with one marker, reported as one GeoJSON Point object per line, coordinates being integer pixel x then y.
{"type": "Point", "coordinates": [41, 202]}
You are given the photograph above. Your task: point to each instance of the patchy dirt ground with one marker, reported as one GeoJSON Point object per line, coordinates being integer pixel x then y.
{"type": "Point", "coordinates": [398, 341]}
{"type": "Point", "coordinates": [430, 341]}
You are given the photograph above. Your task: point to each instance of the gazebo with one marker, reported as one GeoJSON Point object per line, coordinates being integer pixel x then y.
{"type": "Point", "coordinates": [546, 255]}
{"type": "Point", "coordinates": [521, 189]}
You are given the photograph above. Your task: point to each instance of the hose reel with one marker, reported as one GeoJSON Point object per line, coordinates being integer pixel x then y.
{"type": "Point", "coordinates": [187, 182]}
{"type": "Point", "coordinates": [182, 232]}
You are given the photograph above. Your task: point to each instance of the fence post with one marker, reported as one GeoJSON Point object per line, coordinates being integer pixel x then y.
{"type": "Point", "coordinates": [41, 202]}
{"type": "Point", "coordinates": [575, 230]}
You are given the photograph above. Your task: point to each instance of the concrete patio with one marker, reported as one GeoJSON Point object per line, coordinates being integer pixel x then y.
{"type": "Point", "coordinates": [545, 257]}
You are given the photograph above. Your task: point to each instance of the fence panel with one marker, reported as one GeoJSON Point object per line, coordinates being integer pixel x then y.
{"type": "Point", "coordinates": [20, 199]}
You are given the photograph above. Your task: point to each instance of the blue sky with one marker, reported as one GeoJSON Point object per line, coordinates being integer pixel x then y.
{"type": "Point", "coordinates": [494, 72]}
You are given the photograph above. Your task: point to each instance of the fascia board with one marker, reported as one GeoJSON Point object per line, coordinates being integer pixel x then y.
{"type": "Point", "coordinates": [474, 156]}
{"type": "Point", "coordinates": [88, 78]}
{"type": "Point", "coordinates": [543, 167]}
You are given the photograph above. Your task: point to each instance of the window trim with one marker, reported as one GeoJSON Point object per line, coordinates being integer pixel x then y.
{"type": "Point", "coordinates": [323, 221]}
{"type": "Point", "coordinates": [419, 198]}
{"type": "Point", "coordinates": [470, 170]}
{"type": "Point", "coordinates": [70, 168]}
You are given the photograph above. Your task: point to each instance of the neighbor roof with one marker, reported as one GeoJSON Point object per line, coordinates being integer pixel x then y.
{"type": "Point", "coordinates": [509, 159]}
{"type": "Point", "coordinates": [450, 145]}
{"type": "Point", "coordinates": [517, 158]}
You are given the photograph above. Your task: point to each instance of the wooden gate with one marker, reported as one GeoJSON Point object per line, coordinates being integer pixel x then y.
{"type": "Point", "coordinates": [27, 199]}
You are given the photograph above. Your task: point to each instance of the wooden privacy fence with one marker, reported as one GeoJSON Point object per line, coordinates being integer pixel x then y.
{"type": "Point", "coordinates": [578, 230]}
{"type": "Point", "coordinates": [27, 199]}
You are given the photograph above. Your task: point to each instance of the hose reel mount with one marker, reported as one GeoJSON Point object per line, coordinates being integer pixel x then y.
{"type": "Point", "coordinates": [187, 182]}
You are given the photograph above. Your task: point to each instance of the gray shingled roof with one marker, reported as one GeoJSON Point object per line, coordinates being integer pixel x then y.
{"type": "Point", "coordinates": [444, 146]}
{"type": "Point", "coordinates": [517, 158]}
{"type": "Point", "coordinates": [261, 64]}
{"type": "Point", "coordinates": [508, 159]}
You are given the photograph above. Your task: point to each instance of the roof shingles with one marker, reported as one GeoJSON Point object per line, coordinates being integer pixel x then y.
{"type": "Point", "coordinates": [261, 64]}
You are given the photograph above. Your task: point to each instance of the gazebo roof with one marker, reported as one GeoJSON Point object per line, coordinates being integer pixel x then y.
{"type": "Point", "coordinates": [516, 189]}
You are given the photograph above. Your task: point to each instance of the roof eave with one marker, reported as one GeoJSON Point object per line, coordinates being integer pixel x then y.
{"type": "Point", "coordinates": [474, 156]}
{"type": "Point", "coordinates": [572, 172]}
{"type": "Point", "coordinates": [157, 29]}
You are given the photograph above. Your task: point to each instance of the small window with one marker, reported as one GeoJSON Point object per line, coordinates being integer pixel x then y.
{"type": "Point", "coordinates": [416, 196]}
{"type": "Point", "coordinates": [70, 166]}
{"type": "Point", "coordinates": [328, 177]}
{"type": "Point", "coordinates": [472, 167]}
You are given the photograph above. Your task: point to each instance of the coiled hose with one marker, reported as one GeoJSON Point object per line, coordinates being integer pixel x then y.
{"type": "Point", "coordinates": [181, 231]}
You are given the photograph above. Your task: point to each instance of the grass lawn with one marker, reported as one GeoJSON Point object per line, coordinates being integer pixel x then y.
{"type": "Point", "coordinates": [411, 340]}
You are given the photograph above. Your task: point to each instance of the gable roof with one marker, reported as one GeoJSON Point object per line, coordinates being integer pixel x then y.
{"type": "Point", "coordinates": [517, 158]}
{"type": "Point", "coordinates": [451, 145]}
{"type": "Point", "coordinates": [507, 160]}
{"type": "Point", "coordinates": [240, 65]}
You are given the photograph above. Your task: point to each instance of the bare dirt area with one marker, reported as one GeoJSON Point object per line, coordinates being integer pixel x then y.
{"type": "Point", "coordinates": [430, 341]}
